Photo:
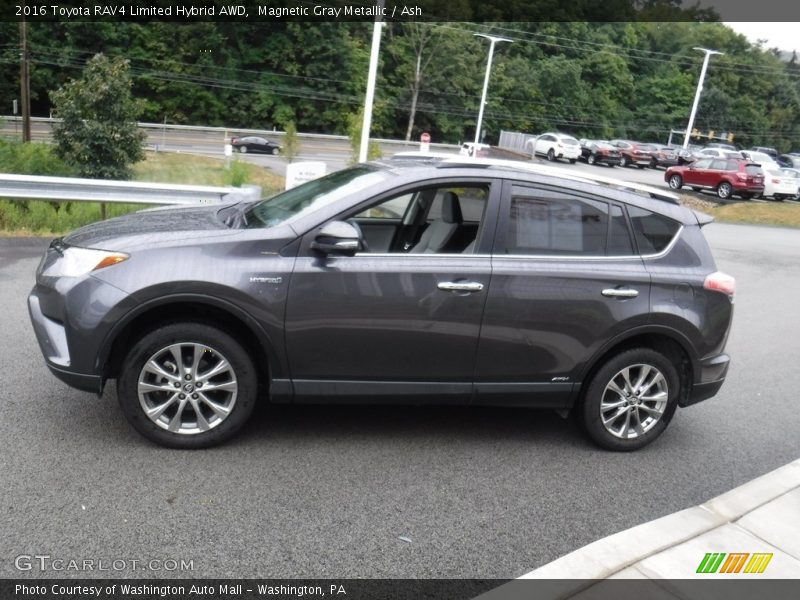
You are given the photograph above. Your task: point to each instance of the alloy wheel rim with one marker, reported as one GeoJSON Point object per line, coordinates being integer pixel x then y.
{"type": "Point", "coordinates": [634, 401]}
{"type": "Point", "coordinates": [187, 388]}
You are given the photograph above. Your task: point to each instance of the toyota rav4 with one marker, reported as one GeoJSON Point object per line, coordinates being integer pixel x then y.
{"type": "Point", "coordinates": [438, 280]}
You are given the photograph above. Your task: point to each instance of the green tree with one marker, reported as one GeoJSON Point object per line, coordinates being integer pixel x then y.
{"type": "Point", "coordinates": [98, 132]}
{"type": "Point", "coordinates": [290, 142]}
{"type": "Point", "coordinates": [355, 125]}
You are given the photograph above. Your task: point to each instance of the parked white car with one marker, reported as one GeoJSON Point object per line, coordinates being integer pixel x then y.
{"type": "Point", "coordinates": [719, 153]}
{"type": "Point", "coordinates": [556, 145]}
{"type": "Point", "coordinates": [764, 159]}
{"type": "Point", "coordinates": [778, 184]}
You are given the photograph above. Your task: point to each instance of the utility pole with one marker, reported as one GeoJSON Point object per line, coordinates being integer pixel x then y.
{"type": "Point", "coordinates": [493, 40]}
{"type": "Point", "coordinates": [371, 76]}
{"type": "Point", "coordinates": [25, 81]}
{"type": "Point", "coordinates": [698, 92]}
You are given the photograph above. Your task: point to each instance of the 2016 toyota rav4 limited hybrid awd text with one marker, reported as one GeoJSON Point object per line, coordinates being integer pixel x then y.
{"type": "Point", "coordinates": [446, 280]}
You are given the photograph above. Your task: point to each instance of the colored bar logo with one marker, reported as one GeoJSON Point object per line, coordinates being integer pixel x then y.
{"type": "Point", "coordinates": [734, 562]}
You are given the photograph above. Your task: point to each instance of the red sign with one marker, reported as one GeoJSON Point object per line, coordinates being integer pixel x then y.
{"type": "Point", "coordinates": [425, 138]}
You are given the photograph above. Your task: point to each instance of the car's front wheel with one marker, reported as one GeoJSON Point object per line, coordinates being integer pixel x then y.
{"type": "Point", "coordinates": [243, 149]}
{"type": "Point", "coordinates": [275, 151]}
{"type": "Point", "coordinates": [630, 400]}
{"type": "Point", "coordinates": [675, 182]}
{"type": "Point", "coordinates": [187, 385]}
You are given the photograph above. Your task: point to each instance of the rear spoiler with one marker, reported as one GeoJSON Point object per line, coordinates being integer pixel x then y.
{"type": "Point", "coordinates": [702, 218]}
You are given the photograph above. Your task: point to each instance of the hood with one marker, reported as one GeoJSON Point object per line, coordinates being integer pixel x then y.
{"type": "Point", "coordinates": [151, 227]}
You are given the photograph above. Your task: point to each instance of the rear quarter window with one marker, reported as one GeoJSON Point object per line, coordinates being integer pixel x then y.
{"type": "Point", "coordinates": [653, 232]}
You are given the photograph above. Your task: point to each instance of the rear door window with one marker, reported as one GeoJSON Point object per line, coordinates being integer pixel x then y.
{"type": "Point", "coordinates": [548, 224]}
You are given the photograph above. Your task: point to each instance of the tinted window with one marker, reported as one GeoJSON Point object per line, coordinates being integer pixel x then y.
{"type": "Point", "coordinates": [619, 238]}
{"type": "Point", "coordinates": [569, 141]}
{"type": "Point", "coordinates": [733, 165]}
{"type": "Point", "coordinates": [703, 164]}
{"type": "Point", "coordinates": [719, 165]}
{"type": "Point", "coordinates": [653, 232]}
{"type": "Point", "coordinates": [565, 226]}
{"type": "Point", "coordinates": [753, 170]}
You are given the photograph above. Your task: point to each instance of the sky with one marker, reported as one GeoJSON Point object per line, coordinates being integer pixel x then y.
{"type": "Point", "coordinates": [780, 35]}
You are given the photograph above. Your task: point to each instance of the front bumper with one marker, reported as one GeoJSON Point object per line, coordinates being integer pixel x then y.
{"type": "Point", "coordinates": [52, 338]}
{"type": "Point", "coordinates": [711, 377]}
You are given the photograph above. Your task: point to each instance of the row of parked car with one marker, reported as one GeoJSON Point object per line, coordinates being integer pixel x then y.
{"type": "Point", "coordinates": [758, 172]}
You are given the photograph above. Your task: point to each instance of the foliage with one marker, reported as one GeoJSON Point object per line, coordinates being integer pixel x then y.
{"type": "Point", "coordinates": [355, 126]}
{"type": "Point", "coordinates": [567, 69]}
{"type": "Point", "coordinates": [98, 133]}
{"type": "Point", "coordinates": [291, 145]}
{"type": "Point", "coordinates": [31, 159]}
{"type": "Point", "coordinates": [236, 173]}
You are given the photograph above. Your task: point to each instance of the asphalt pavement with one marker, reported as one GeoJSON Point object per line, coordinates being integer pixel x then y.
{"type": "Point", "coordinates": [382, 491]}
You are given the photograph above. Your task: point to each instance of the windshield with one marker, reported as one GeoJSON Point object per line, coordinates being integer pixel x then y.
{"type": "Point", "coordinates": [312, 195]}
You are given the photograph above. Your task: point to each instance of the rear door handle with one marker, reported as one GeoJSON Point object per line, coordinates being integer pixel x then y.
{"type": "Point", "coordinates": [460, 286]}
{"type": "Point", "coordinates": [620, 293]}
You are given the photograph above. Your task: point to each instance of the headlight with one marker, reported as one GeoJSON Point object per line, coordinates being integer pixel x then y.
{"type": "Point", "coordinates": [75, 261]}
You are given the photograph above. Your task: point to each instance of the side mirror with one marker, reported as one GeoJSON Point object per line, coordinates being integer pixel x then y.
{"type": "Point", "coordinates": [337, 237]}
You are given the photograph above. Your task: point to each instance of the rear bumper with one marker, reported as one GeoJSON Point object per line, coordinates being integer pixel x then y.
{"type": "Point", "coordinates": [711, 377]}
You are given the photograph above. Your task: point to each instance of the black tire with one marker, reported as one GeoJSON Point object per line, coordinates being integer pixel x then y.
{"type": "Point", "coordinates": [590, 159]}
{"type": "Point", "coordinates": [724, 190]}
{"type": "Point", "coordinates": [572, 161]}
{"type": "Point", "coordinates": [551, 155]}
{"type": "Point", "coordinates": [696, 189]}
{"type": "Point", "coordinates": [746, 195]}
{"type": "Point", "coordinates": [641, 166]}
{"type": "Point", "coordinates": [243, 149]}
{"type": "Point", "coordinates": [590, 407]}
{"type": "Point", "coordinates": [624, 162]}
{"type": "Point", "coordinates": [653, 164]}
{"type": "Point", "coordinates": [276, 151]}
{"type": "Point", "coordinates": [217, 345]}
{"type": "Point", "coordinates": [675, 182]}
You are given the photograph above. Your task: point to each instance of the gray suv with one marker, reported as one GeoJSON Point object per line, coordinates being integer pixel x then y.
{"type": "Point", "coordinates": [444, 281]}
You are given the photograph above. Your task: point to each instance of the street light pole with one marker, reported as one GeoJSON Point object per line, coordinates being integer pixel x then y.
{"type": "Point", "coordinates": [492, 39]}
{"type": "Point", "coordinates": [698, 92]}
{"type": "Point", "coordinates": [371, 76]}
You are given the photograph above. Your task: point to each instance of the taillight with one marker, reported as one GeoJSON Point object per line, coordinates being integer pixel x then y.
{"type": "Point", "coordinates": [720, 282]}
{"type": "Point", "coordinates": [741, 176]}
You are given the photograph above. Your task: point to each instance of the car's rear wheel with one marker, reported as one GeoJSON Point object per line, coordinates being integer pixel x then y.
{"type": "Point", "coordinates": [623, 162]}
{"type": "Point", "coordinates": [243, 149]}
{"type": "Point", "coordinates": [676, 182]}
{"type": "Point", "coordinates": [630, 400]}
{"type": "Point", "coordinates": [551, 155]}
{"type": "Point", "coordinates": [275, 151]}
{"type": "Point", "coordinates": [590, 159]}
{"type": "Point", "coordinates": [724, 190]}
{"type": "Point", "coordinates": [187, 385]}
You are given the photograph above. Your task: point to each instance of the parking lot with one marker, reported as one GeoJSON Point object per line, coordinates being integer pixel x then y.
{"type": "Point", "coordinates": [382, 491]}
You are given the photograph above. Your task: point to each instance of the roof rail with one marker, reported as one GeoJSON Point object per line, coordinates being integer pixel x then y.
{"type": "Point", "coordinates": [653, 192]}
{"type": "Point", "coordinates": [445, 160]}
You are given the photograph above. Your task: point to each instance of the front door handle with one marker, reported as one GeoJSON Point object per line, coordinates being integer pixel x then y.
{"type": "Point", "coordinates": [620, 293]}
{"type": "Point", "coordinates": [460, 286]}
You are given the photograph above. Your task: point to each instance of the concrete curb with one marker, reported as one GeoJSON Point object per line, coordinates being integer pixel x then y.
{"type": "Point", "coordinates": [610, 555]}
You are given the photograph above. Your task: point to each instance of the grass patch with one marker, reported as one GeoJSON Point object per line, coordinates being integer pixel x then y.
{"type": "Point", "coordinates": [36, 217]}
{"type": "Point", "coordinates": [783, 214]}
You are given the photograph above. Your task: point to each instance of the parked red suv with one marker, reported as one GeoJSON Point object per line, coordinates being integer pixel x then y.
{"type": "Point", "coordinates": [634, 153]}
{"type": "Point", "coordinates": [727, 177]}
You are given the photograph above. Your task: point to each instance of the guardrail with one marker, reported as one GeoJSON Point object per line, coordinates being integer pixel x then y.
{"type": "Point", "coordinates": [223, 134]}
{"type": "Point", "coordinates": [35, 187]}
